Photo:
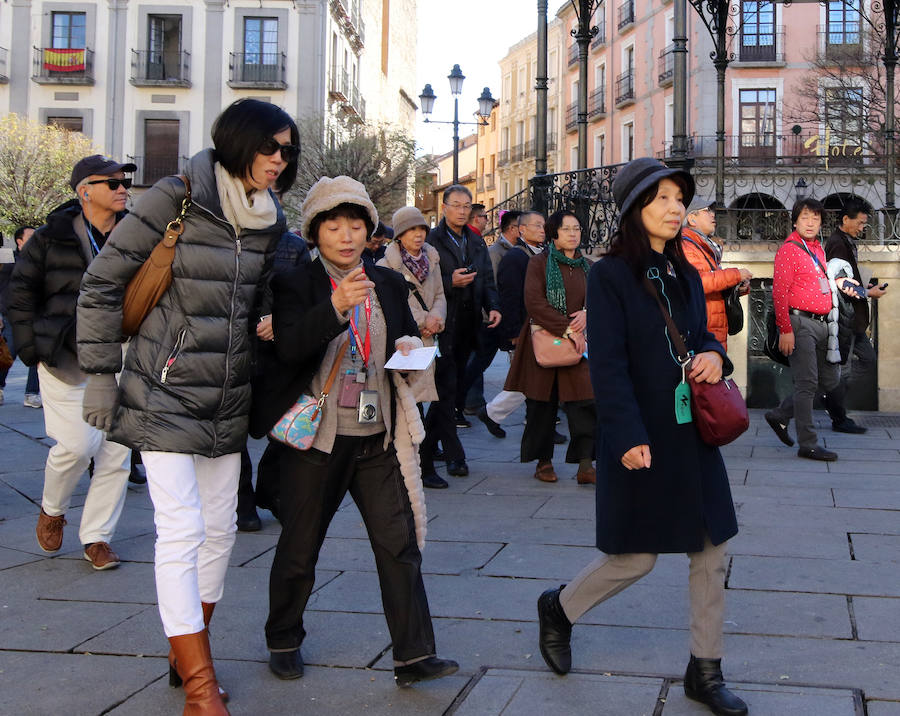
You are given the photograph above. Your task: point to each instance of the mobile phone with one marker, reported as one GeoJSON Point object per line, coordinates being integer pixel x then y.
{"type": "Point", "coordinates": [860, 291]}
{"type": "Point", "coordinates": [471, 268]}
{"type": "Point", "coordinates": [883, 286]}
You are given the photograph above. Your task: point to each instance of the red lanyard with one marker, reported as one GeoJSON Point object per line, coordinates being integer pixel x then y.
{"type": "Point", "coordinates": [364, 346]}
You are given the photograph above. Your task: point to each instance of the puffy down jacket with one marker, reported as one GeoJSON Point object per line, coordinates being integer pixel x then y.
{"type": "Point", "coordinates": [185, 387]}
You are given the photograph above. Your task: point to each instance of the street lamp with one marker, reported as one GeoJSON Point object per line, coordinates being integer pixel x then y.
{"type": "Point", "coordinates": [485, 106]}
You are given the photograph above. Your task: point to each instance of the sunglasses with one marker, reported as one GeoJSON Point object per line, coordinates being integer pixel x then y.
{"type": "Point", "coordinates": [113, 184]}
{"type": "Point", "coordinates": [289, 152]}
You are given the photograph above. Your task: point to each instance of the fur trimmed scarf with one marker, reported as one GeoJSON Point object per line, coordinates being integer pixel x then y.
{"type": "Point", "coordinates": [408, 435]}
{"type": "Point", "coordinates": [837, 268]}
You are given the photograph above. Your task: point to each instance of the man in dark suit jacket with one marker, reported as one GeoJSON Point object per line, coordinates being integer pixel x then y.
{"type": "Point", "coordinates": [842, 245]}
{"type": "Point", "coordinates": [468, 280]}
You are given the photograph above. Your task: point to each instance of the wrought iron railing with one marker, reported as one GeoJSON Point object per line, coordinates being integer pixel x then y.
{"type": "Point", "coordinates": [503, 157]}
{"type": "Point", "coordinates": [625, 88]}
{"type": "Point", "coordinates": [765, 48]}
{"type": "Point", "coordinates": [806, 149]}
{"type": "Point", "coordinates": [258, 69]}
{"type": "Point", "coordinates": [600, 37]}
{"type": "Point", "coordinates": [339, 86]}
{"type": "Point", "coordinates": [841, 44]}
{"type": "Point", "coordinates": [571, 116]}
{"type": "Point", "coordinates": [4, 77]}
{"type": "Point", "coordinates": [597, 103]}
{"type": "Point", "coordinates": [625, 15]}
{"type": "Point", "coordinates": [63, 65]}
{"type": "Point", "coordinates": [573, 53]}
{"type": "Point", "coordinates": [666, 69]}
{"type": "Point", "coordinates": [160, 68]}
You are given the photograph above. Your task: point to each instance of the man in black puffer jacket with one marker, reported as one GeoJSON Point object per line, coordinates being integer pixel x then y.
{"type": "Point", "coordinates": [43, 297]}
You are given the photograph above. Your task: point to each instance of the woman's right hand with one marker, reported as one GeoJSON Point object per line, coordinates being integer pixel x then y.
{"type": "Point", "coordinates": [351, 291]}
{"type": "Point", "coordinates": [433, 325]}
{"type": "Point", "coordinates": [637, 458]}
{"type": "Point", "coordinates": [579, 340]}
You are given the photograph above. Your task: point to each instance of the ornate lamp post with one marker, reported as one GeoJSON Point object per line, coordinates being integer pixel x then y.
{"type": "Point", "coordinates": [583, 34]}
{"type": "Point", "coordinates": [485, 105]}
{"type": "Point", "coordinates": [717, 16]}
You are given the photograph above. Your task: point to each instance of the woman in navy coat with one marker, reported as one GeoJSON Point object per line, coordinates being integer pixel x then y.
{"type": "Point", "coordinates": [660, 488]}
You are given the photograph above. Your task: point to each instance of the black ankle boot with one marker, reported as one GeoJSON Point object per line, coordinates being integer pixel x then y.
{"type": "Point", "coordinates": [286, 664]}
{"type": "Point", "coordinates": [703, 682]}
{"type": "Point", "coordinates": [424, 670]}
{"type": "Point", "coordinates": [555, 632]}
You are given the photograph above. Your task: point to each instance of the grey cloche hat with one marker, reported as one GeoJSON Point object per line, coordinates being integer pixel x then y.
{"type": "Point", "coordinates": [407, 218]}
{"type": "Point", "coordinates": [327, 193]}
{"type": "Point", "coordinates": [640, 174]}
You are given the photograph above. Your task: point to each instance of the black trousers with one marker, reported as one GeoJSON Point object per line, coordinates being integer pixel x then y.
{"type": "Point", "coordinates": [540, 426]}
{"type": "Point", "coordinates": [479, 362]}
{"type": "Point", "coordinates": [449, 376]}
{"type": "Point", "coordinates": [313, 484]}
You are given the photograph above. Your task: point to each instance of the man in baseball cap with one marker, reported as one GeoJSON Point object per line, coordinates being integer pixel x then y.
{"type": "Point", "coordinates": [43, 297]}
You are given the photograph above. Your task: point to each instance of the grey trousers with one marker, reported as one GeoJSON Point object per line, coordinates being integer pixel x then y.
{"type": "Point", "coordinates": [609, 574]}
{"type": "Point", "coordinates": [811, 374]}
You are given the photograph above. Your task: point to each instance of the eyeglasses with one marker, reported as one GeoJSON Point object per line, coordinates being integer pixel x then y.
{"type": "Point", "coordinates": [289, 152]}
{"type": "Point", "coordinates": [113, 184]}
{"type": "Point", "coordinates": [457, 207]}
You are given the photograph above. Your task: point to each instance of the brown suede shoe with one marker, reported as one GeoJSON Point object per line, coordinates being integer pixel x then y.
{"type": "Point", "coordinates": [586, 477]}
{"type": "Point", "coordinates": [49, 532]}
{"type": "Point", "coordinates": [101, 556]}
{"type": "Point", "coordinates": [545, 472]}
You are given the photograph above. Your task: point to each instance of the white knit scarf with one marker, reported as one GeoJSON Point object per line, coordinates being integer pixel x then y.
{"type": "Point", "coordinates": [254, 212]}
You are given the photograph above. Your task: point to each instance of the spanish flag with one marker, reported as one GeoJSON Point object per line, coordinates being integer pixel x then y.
{"type": "Point", "coordinates": [64, 60]}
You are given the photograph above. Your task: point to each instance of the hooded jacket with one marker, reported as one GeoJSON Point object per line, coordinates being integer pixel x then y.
{"type": "Point", "coordinates": [185, 387]}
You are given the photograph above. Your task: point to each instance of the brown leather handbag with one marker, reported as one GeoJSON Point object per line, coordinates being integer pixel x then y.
{"type": "Point", "coordinates": [6, 359]}
{"type": "Point", "coordinates": [155, 276]}
{"type": "Point", "coordinates": [552, 351]}
{"type": "Point", "coordinates": [719, 410]}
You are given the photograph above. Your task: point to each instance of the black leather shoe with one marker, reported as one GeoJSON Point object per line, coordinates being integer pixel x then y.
{"type": "Point", "coordinates": [247, 518]}
{"type": "Point", "coordinates": [438, 454]}
{"type": "Point", "coordinates": [425, 670]}
{"type": "Point", "coordinates": [555, 632]}
{"type": "Point", "coordinates": [848, 425]}
{"type": "Point", "coordinates": [493, 427]}
{"type": "Point", "coordinates": [461, 420]}
{"type": "Point", "coordinates": [138, 475]}
{"type": "Point", "coordinates": [703, 682]}
{"type": "Point", "coordinates": [286, 664]}
{"type": "Point", "coordinates": [817, 453]}
{"type": "Point", "coordinates": [780, 430]}
{"type": "Point", "coordinates": [434, 481]}
{"type": "Point", "coordinates": [457, 468]}
{"type": "Point", "coordinates": [559, 438]}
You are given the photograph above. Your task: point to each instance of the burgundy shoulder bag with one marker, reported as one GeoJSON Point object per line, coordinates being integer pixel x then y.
{"type": "Point", "coordinates": [718, 409]}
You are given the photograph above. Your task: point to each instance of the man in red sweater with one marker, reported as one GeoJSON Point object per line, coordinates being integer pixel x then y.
{"type": "Point", "coordinates": [802, 296]}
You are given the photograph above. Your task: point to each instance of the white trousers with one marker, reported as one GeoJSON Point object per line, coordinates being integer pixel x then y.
{"type": "Point", "coordinates": [609, 574]}
{"type": "Point", "coordinates": [194, 502]}
{"type": "Point", "coordinates": [76, 444]}
{"type": "Point", "coordinates": [504, 404]}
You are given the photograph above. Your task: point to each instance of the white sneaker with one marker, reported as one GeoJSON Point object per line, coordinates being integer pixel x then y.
{"type": "Point", "coordinates": [1, 396]}
{"type": "Point", "coordinates": [32, 400]}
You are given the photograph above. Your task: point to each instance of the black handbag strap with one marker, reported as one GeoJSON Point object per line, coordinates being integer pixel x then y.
{"type": "Point", "coordinates": [680, 347]}
{"type": "Point", "coordinates": [415, 292]}
{"type": "Point", "coordinates": [712, 266]}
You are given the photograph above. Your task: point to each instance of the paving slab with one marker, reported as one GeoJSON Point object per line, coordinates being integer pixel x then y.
{"type": "Point", "coordinates": [789, 541]}
{"type": "Point", "coordinates": [322, 691]}
{"type": "Point", "coordinates": [464, 528]}
{"type": "Point", "coordinates": [870, 499]}
{"type": "Point", "coordinates": [763, 699]}
{"type": "Point", "coordinates": [883, 708]}
{"type": "Point", "coordinates": [823, 576]}
{"type": "Point", "coordinates": [846, 478]}
{"type": "Point", "coordinates": [877, 619]}
{"type": "Point", "coordinates": [504, 691]}
{"type": "Point", "coordinates": [845, 519]}
{"type": "Point", "coordinates": [65, 683]}
{"type": "Point", "coordinates": [875, 547]}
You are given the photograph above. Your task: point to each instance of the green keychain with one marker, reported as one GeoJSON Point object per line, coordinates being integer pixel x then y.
{"type": "Point", "coordinates": [683, 399]}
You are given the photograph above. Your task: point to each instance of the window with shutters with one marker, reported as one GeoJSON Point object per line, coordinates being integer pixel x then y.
{"type": "Point", "coordinates": [70, 124]}
{"type": "Point", "coordinates": [160, 149]}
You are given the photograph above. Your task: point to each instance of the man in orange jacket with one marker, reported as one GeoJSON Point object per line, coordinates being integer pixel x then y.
{"type": "Point", "coordinates": [705, 254]}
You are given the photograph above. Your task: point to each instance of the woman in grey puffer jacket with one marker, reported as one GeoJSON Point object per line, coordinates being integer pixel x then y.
{"type": "Point", "coordinates": [184, 394]}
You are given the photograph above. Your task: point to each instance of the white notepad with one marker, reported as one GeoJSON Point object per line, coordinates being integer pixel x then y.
{"type": "Point", "coordinates": [418, 359]}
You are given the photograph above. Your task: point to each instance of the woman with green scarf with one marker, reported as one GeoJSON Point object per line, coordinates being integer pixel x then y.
{"type": "Point", "coordinates": [555, 290]}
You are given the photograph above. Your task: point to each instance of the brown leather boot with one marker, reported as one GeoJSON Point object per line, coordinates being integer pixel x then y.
{"type": "Point", "coordinates": [174, 678]}
{"type": "Point", "coordinates": [201, 692]}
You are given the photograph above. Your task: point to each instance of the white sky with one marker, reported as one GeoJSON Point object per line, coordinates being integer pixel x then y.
{"type": "Point", "coordinates": [474, 34]}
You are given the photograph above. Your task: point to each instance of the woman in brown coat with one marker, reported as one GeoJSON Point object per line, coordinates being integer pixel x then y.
{"type": "Point", "coordinates": [555, 290]}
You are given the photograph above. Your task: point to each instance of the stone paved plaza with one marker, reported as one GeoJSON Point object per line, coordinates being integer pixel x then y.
{"type": "Point", "coordinates": [812, 624]}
